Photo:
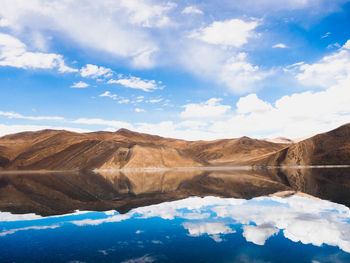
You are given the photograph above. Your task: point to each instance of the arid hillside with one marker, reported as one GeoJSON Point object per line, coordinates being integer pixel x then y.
{"type": "Point", "coordinates": [63, 150]}
{"type": "Point", "coordinates": [330, 148]}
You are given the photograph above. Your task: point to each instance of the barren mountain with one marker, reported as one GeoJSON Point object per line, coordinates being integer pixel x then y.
{"type": "Point", "coordinates": [330, 148]}
{"type": "Point", "coordinates": [63, 150]}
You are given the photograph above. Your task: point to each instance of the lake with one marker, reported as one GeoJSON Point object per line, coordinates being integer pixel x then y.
{"type": "Point", "coordinates": [176, 216]}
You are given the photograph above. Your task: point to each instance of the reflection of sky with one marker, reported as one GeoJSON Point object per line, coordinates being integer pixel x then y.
{"type": "Point", "coordinates": [255, 223]}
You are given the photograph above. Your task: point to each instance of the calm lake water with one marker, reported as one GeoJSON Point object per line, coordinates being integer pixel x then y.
{"type": "Point", "coordinates": [176, 216]}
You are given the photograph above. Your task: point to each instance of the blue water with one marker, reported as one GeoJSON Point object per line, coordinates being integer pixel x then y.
{"type": "Point", "coordinates": [210, 229]}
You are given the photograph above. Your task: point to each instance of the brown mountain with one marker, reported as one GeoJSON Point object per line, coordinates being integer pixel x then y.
{"type": "Point", "coordinates": [63, 150]}
{"type": "Point", "coordinates": [330, 148]}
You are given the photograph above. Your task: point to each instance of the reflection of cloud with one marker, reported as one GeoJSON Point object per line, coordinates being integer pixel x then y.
{"type": "Point", "coordinates": [189, 208]}
{"type": "Point", "coordinates": [259, 234]}
{"type": "Point", "coordinates": [213, 229]}
{"type": "Point", "coordinates": [12, 231]}
{"type": "Point", "coordinates": [301, 219]}
{"type": "Point", "coordinates": [6, 217]}
{"type": "Point", "coordinates": [144, 259]}
{"type": "Point", "coordinates": [157, 242]}
{"type": "Point", "coordinates": [95, 222]}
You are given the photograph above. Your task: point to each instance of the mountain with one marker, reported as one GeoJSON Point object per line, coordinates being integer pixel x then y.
{"type": "Point", "coordinates": [63, 150]}
{"type": "Point", "coordinates": [329, 148]}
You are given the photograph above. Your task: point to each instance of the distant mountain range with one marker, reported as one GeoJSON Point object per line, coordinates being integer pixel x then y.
{"type": "Point", "coordinates": [64, 150]}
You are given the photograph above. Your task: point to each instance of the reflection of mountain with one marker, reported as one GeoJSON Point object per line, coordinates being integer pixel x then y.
{"type": "Point", "coordinates": [48, 194]}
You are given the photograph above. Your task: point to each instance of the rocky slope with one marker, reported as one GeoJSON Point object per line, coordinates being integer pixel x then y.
{"type": "Point", "coordinates": [63, 150]}
{"type": "Point", "coordinates": [330, 148]}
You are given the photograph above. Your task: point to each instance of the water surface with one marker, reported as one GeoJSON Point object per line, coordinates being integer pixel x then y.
{"type": "Point", "coordinates": [176, 216]}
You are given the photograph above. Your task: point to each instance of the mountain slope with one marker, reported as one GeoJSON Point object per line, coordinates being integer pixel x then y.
{"type": "Point", "coordinates": [330, 148]}
{"type": "Point", "coordinates": [63, 150]}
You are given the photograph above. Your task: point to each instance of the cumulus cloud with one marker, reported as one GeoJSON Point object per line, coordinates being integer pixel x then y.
{"type": "Point", "coordinates": [191, 10]}
{"type": "Point", "coordinates": [94, 71]}
{"type": "Point", "coordinates": [224, 67]}
{"type": "Point", "coordinates": [259, 234]}
{"type": "Point", "coordinates": [137, 83]}
{"type": "Point", "coordinates": [252, 104]}
{"type": "Point", "coordinates": [280, 45]}
{"type": "Point", "coordinates": [79, 85]}
{"type": "Point", "coordinates": [212, 229]}
{"type": "Point", "coordinates": [209, 109]}
{"type": "Point", "coordinates": [14, 53]}
{"type": "Point", "coordinates": [329, 71]}
{"type": "Point", "coordinates": [109, 95]}
{"type": "Point", "coordinates": [234, 32]}
{"type": "Point", "coordinates": [139, 110]}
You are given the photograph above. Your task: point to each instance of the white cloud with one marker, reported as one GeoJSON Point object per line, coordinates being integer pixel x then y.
{"type": "Point", "coordinates": [139, 110]}
{"type": "Point", "coordinates": [96, 222]}
{"type": "Point", "coordinates": [240, 75]}
{"type": "Point", "coordinates": [12, 231]}
{"type": "Point", "coordinates": [4, 22]}
{"type": "Point", "coordinates": [252, 104]}
{"type": "Point", "coordinates": [234, 32]}
{"type": "Point", "coordinates": [123, 101]}
{"type": "Point", "coordinates": [94, 71]}
{"type": "Point", "coordinates": [80, 85]}
{"type": "Point", "coordinates": [212, 229]}
{"type": "Point", "coordinates": [326, 35]}
{"type": "Point", "coordinates": [97, 121]}
{"type": "Point", "coordinates": [136, 83]}
{"type": "Point", "coordinates": [209, 109]}
{"type": "Point", "coordinates": [224, 67]}
{"type": "Point", "coordinates": [328, 71]}
{"type": "Point", "coordinates": [13, 115]}
{"type": "Point", "coordinates": [14, 53]}
{"type": "Point", "coordinates": [123, 25]}
{"type": "Point", "coordinates": [109, 95]}
{"type": "Point", "coordinates": [155, 100]}
{"type": "Point", "coordinates": [146, 14]}
{"type": "Point", "coordinates": [8, 217]}
{"type": "Point", "coordinates": [191, 10]}
{"type": "Point", "coordinates": [259, 234]}
{"type": "Point", "coordinates": [145, 59]}
{"type": "Point", "coordinates": [144, 259]}
{"type": "Point", "coordinates": [280, 45]}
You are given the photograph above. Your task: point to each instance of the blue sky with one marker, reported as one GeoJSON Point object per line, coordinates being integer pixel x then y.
{"type": "Point", "coordinates": [184, 69]}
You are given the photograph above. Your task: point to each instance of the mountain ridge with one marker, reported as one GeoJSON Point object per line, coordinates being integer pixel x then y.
{"type": "Point", "coordinates": [66, 150]}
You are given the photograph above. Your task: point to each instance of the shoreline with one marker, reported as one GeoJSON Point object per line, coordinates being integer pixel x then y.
{"type": "Point", "coordinates": [162, 169]}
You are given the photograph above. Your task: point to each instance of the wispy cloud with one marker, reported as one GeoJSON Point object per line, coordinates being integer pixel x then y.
{"type": "Point", "coordinates": [79, 85]}
{"type": "Point", "coordinates": [137, 83]}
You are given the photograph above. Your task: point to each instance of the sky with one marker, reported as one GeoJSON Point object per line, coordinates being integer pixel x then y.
{"type": "Point", "coordinates": [195, 70]}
